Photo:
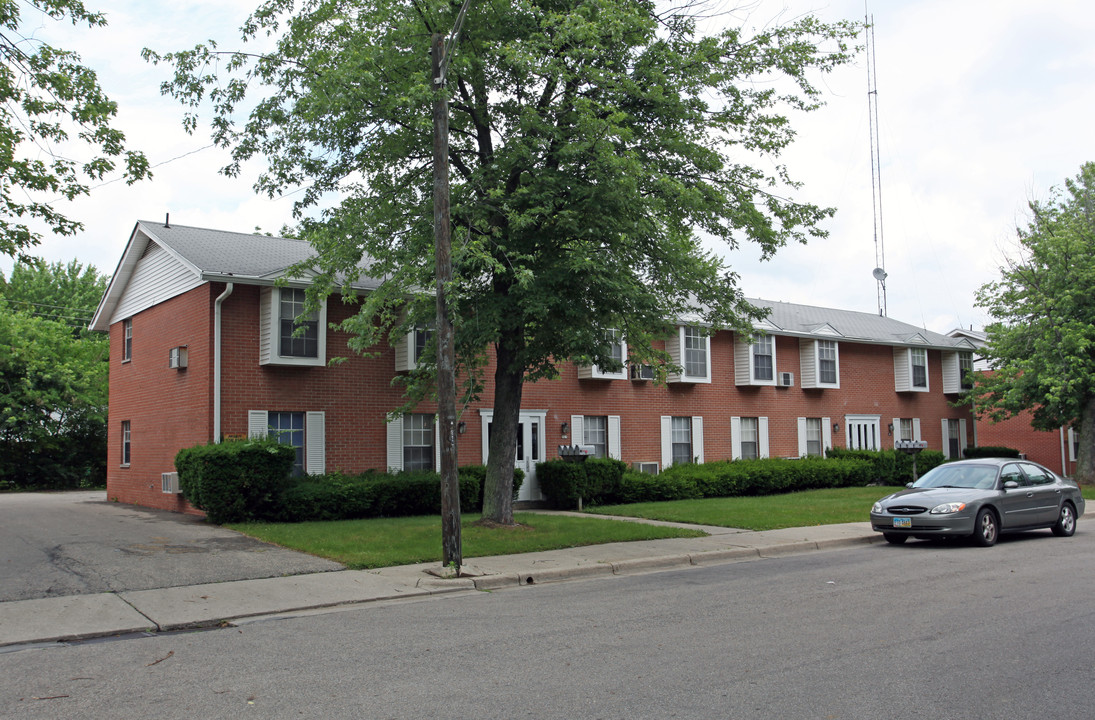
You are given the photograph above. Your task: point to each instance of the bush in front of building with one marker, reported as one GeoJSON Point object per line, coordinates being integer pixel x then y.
{"type": "Point", "coordinates": [235, 481]}
{"type": "Point", "coordinates": [600, 482]}
{"type": "Point", "coordinates": [891, 467]}
{"type": "Point", "coordinates": [990, 451]}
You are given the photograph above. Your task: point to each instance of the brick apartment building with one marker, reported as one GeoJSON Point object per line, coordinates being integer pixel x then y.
{"type": "Point", "coordinates": [200, 350]}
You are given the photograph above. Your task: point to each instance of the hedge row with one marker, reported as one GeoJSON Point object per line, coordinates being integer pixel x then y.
{"type": "Point", "coordinates": [990, 451]}
{"type": "Point", "coordinates": [602, 482]}
{"type": "Point", "coordinates": [242, 481]}
{"type": "Point", "coordinates": [892, 467]}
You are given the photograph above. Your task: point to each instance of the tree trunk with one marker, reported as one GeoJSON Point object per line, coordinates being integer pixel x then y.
{"type": "Point", "coordinates": [498, 489]}
{"type": "Point", "coordinates": [1085, 457]}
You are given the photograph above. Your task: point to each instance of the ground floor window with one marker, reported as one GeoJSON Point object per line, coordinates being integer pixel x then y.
{"type": "Point", "coordinates": [288, 429]}
{"type": "Point", "coordinates": [814, 443]}
{"type": "Point", "coordinates": [595, 433]}
{"type": "Point", "coordinates": [750, 445]}
{"type": "Point", "coordinates": [682, 440]}
{"type": "Point", "coordinates": [126, 437]}
{"type": "Point", "coordinates": [418, 442]}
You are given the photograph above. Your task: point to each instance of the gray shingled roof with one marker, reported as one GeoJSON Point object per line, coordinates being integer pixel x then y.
{"type": "Point", "coordinates": [850, 325]}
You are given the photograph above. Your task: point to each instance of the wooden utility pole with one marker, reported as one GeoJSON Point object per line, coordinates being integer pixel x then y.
{"type": "Point", "coordinates": [451, 543]}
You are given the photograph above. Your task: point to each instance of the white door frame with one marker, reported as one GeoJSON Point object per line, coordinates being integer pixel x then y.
{"type": "Point", "coordinates": [533, 423]}
{"type": "Point", "coordinates": [867, 432]}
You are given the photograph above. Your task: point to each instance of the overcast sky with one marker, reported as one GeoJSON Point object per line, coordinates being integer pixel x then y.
{"type": "Point", "coordinates": [983, 104]}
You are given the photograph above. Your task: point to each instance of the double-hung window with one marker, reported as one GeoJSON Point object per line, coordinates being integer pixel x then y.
{"type": "Point", "coordinates": [695, 352]}
{"type": "Point", "coordinates": [750, 441]}
{"type": "Point", "coordinates": [303, 343]}
{"type": "Point", "coordinates": [965, 369]}
{"type": "Point", "coordinates": [126, 443]}
{"type": "Point", "coordinates": [689, 348]}
{"type": "Point", "coordinates": [826, 362]}
{"type": "Point", "coordinates": [595, 433]}
{"type": "Point", "coordinates": [302, 431]}
{"type": "Point", "coordinates": [814, 443]}
{"type": "Point", "coordinates": [919, 360]}
{"type": "Point", "coordinates": [682, 440]}
{"type": "Point", "coordinates": [288, 429]}
{"type": "Point", "coordinates": [418, 442]}
{"type": "Point", "coordinates": [764, 364]}
{"type": "Point", "coordinates": [127, 343]}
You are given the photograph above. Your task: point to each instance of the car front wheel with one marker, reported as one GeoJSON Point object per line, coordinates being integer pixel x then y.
{"type": "Point", "coordinates": [1066, 521]}
{"type": "Point", "coordinates": [985, 528]}
{"type": "Point", "coordinates": [894, 538]}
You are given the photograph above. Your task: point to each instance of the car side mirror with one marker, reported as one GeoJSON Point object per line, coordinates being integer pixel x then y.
{"type": "Point", "coordinates": [1010, 484]}
{"type": "Point", "coordinates": [908, 485]}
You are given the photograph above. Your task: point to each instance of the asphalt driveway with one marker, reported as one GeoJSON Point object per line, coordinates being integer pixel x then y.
{"type": "Point", "coordinates": [54, 544]}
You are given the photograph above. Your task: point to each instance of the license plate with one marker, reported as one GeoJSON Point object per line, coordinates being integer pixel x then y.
{"type": "Point", "coordinates": [902, 522]}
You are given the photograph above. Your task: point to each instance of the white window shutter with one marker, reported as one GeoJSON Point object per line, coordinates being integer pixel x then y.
{"type": "Point", "coordinates": [961, 437]}
{"type": "Point", "coordinates": [395, 444]}
{"type": "Point", "coordinates": [697, 439]}
{"type": "Point", "coordinates": [762, 437]}
{"type": "Point", "coordinates": [735, 438]}
{"type": "Point", "coordinates": [826, 433]}
{"type": "Point", "coordinates": [667, 441]}
{"type": "Point", "coordinates": [916, 429]}
{"type": "Point", "coordinates": [802, 437]}
{"type": "Point", "coordinates": [614, 437]}
{"type": "Point", "coordinates": [896, 430]}
{"type": "Point", "coordinates": [577, 429]}
{"type": "Point", "coordinates": [257, 424]}
{"type": "Point", "coordinates": [315, 452]}
{"type": "Point", "coordinates": [946, 439]}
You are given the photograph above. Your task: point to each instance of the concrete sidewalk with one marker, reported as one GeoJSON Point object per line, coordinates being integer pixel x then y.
{"type": "Point", "coordinates": [86, 616]}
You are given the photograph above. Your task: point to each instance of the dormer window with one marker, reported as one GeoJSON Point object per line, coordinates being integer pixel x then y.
{"type": "Point", "coordinates": [910, 367]}
{"type": "Point", "coordinates": [755, 360]}
{"type": "Point", "coordinates": [965, 369]}
{"type": "Point", "coordinates": [819, 363]}
{"type": "Point", "coordinates": [764, 359]}
{"type": "Point", "coordinates": [616, 348]}
{"type": "Point", "coordinates": [410, 350]}
{"type": "Point", "coordinates": [288, 334]}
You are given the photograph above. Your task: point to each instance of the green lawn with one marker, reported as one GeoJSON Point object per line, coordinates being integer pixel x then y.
{"type": "Point", "coordinates": [767, 512]}
{"type": "Point", "coordinates": [382, 542]}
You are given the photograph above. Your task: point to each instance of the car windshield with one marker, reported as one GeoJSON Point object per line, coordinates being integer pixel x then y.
{"type": "Point", "coordinates": [981, 477]}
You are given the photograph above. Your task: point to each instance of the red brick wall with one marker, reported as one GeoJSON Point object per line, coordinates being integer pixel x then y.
{"type": "Point", "coordinates": [172, 409]}
{"type": "Point", "coordinates": [1048, 448]}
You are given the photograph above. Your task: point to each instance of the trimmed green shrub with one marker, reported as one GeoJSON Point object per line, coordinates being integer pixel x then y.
{"type": "Point", "coordinates": [892, 467]}
{"type": "Point", "coordinates": [595, 481]}
{"type": "Point", "coordinates": [642, 487]}
{"type": "Point", "coordinates": [235, 481]}
{"type": "Point", "coordinates": [480, 472]}
{"type": "Point", "coordinates": [990, 451]}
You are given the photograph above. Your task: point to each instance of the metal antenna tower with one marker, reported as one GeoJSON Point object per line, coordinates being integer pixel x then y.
{"type": "Point", "coordinates": [879, 271]}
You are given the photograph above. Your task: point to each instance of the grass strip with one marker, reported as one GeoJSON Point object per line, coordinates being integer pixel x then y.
{"type": "Point", "coordinates": [766, 512]}
{"type": "Point", "coordinates": [382, 542]}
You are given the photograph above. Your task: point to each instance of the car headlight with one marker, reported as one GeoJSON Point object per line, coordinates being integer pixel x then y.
{"type": "Point", "coordinates": [877, 508]}
{"type": "Point", "coordinates": [948, 508]}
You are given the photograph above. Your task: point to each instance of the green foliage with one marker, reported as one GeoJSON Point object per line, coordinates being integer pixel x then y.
{"type": "Point", "coordinates": [989, 451]}
{"type": "Point", "coordinates": [636, 487]}
{"type": "Point", "coordinates": [235, 481]}
{"type": "Point", "coordinates": [50, 99]}
{"type": "Point", "coordinates": [592, 142]}
{"type": "Point", "coordinates": [53, 403]}
{"type": "Point", "coordinates": [1040, 343]}
{"type": "Point", "coordinates": [595, 480]}
{"type": "Point", "coordinates": [64, 293]}
{"type": "Point", "coordinates": [891, 467]}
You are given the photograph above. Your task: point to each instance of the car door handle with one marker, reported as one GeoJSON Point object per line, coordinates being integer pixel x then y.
{"type": "Point", "coordinates": [1030, 493]}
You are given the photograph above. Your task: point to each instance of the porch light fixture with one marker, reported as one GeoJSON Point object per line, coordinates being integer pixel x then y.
{"type": "Point", "coordinates": [836, 427]}
{"type": "Point", "coordinates": [890, 428]}
{"type": "Point", "coordinates": [461, 427]}
{"type": "Point", "coordinates": [564, 428]}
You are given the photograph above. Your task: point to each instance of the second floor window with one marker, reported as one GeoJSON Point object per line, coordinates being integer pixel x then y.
{"type": "Point", "coordinates": [826, 361]}
{"type": "Point", "coordinates": [763, 358]}
{"type": "Point", "coordinates": [291, 316]}
{"type": "Point", "coordinates": [127, 347]}
{"type": "Point", "coordinates": [919, 360]}
{"type": "Point", "coordinates": [965, 367]}
{"type": "Point", "coordinates": [695, 353]}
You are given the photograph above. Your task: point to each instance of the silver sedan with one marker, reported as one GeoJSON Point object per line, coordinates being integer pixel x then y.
{"type": "Point", "coordinates": [980, 499]}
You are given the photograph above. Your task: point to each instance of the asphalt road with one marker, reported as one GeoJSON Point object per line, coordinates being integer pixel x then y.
{"type": "Point", "coordinates": [921, 630]}
{"type": "Point", "coordinates": [54, 544]}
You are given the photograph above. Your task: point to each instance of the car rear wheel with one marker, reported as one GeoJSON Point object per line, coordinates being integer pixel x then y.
{"type": "Point", "coordinates": [894, 538]}
{"type": "Point", "coordinates": [1066, 521]}
{"type": "Point", "coordinates": [985, 528]}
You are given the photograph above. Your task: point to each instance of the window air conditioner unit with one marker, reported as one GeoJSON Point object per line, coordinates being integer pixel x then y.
{"type": "Point", "coordinates": [642, 372]}
{"type": "Point", "coordinates": [170, 483]}
{"type": "Point", "coordinates": [176, 358]}
{"type": "Point", "coordinates": [786, 379]}
{"type": "Point", "coordinates": [650, 468]}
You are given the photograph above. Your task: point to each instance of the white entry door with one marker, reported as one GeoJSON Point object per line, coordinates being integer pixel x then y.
{"type": "Point", "coordinates": [530, 448]}
{"type": "Point", "coordinates": [863, 432]}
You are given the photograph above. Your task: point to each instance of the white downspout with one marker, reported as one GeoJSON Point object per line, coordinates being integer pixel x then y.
{"type": "Point", "coordinates": [217, 362]}
{"type": "Point", "coordinates": [1064, 455]}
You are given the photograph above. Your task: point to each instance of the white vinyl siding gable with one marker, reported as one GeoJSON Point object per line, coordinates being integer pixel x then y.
{"type": "Point", "coordinates": [270, 332]}
{"type": "Point", "coordinates": [679, 345]}
{"type": "Point", "coordinates": [158, 277]}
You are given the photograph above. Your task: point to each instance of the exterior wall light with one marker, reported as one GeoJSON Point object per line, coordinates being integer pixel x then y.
{"type": "Point", "coordinates": [564, 428]}
{"type": "Point", "coordinates": [836, 427]}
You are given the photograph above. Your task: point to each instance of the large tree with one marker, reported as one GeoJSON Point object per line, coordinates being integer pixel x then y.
{"type": "Point", "coordinates": [53, 378]}
{"type": "Point", "coordinates": [592, 143]}
{"type": "Point", "coordinates": [1042, 344]}
{"type": "Point", "coordinates": [53, 110]}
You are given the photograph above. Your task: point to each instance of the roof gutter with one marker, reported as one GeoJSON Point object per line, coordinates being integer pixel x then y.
{"type": "Point", "coordinates": [217, 361]}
